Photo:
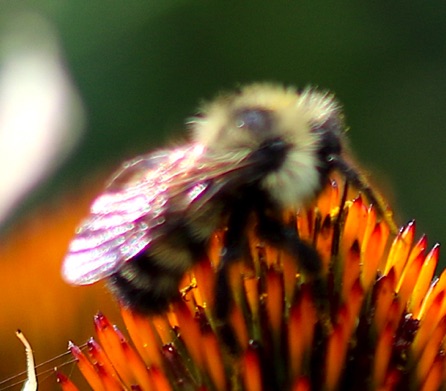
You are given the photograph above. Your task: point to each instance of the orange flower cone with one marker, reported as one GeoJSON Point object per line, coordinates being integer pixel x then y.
{"type": "Point", "coordinates": [379, 323]}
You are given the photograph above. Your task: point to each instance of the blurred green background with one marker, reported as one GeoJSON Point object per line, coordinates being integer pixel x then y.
{"type": "Point", "coordinates": [142, 67]}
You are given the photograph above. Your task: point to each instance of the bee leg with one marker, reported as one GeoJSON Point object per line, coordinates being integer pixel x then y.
{"type": "Point", "coordinates": [235, 248]}
{"type": "Point", "coordinates": [286, 238]}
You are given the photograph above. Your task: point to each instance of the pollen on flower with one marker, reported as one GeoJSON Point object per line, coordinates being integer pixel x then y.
{"type": "Point", "coordinates": [377, 320]}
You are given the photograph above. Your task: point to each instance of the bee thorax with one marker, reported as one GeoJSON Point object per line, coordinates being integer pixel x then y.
{"type": "Point", "coordinates": [288, 185]}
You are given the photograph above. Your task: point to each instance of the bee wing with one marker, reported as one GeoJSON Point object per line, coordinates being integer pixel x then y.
{"type": "Point", "coordinates": [224, 174]}
{"type": "Point", "coordinates": [123, 220]}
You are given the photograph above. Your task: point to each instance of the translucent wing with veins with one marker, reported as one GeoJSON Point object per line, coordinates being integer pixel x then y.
{"type": "Point", "coordinates": [127, 217]}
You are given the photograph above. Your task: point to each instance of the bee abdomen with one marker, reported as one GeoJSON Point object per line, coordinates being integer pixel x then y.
{"type": "Point", "coordinates": [149, 282]}
{"type": "Point", "coordinates": [146, 285]}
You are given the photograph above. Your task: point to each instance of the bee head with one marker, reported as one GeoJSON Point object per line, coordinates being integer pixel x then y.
{"type": "Point", "coordinates": [289, 136]}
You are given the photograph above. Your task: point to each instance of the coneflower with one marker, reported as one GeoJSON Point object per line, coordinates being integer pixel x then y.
{"type": "Point", "coordinates": [378, 323]}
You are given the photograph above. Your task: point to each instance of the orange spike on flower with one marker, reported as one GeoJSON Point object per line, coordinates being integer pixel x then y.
{"type": "Point", "coordinates": [124, 359]}
{"type": "Point", "coordinates": [301, 323]}
{"type": "Point", "coordinates": [352, 269]}
{"type": "Point", "coordinates": [369, 225]}
{"type": "Point", "coordinates": [274, 301]}
{"type": "Point", "coordinates": [251, 372]}
{"type": "Point", "coordinates": [236, 273]}
{"type": "Point", "coordinates": [214, 361]}
{"type": "Point", "coordinates": [334, 361]}
{"type": "Point", "coordinates": [204, 296]}
{"type": "Point", "coordinates": [139, 370]}
{"type": "Point", "coordinates": [190, 333]}
{"type": "Point", "coordinates": [110, 382]}
{"type": "Point", "coordinates": [391, 381]}
{"type": "Point", "coordinates": [384, 296]}
{"type": "Point", "coordinates": [65, 383]}
{"type": "Point", "coordinates": [427, 325]}
{"type": "Point", "coordinates": [251, 285]}
{"type": "Point", "coordinates": [87, 368]}
{"type": "Point", "coordinates": [419, 248]}
{"type": "Point", "coordinates": [434, 379]}
{"type": "Point", "coordinates": [328, 199]}
{"type": "Point", "coordinates": [302, 384]}
{"type": "Point", "coordinates": [296, 342]}
{"type": "Point", "coordinates": [424, 279]}
{"type": "Point", "coordinates": [305, 224]}
{"type": "Point", "coordinates": [163, 328]}
{"type": "Point", "coordinates": [179, 367]}
{"type": "Point", "coordinates": [396, 312]}
{"type": "Point", "coordinates": [373, 250]}
{"type": "Point", "coordinates": [160, 381]}
{"type": "Point", "coordinates": [400, 250]}
{"type": "Point", "coordinates": [324, 243]}
{"type": "Point", "coordinates": [146, 341]}
{"type": "Point", "coordinates": [215, 247]}
{"type": "Point", "coordinates": [382, 355]}
{"type": "Point", "coordinates": [238, 323]}
{"type": "Point", "coordinates": [271, 256]}
{"type": "Point", "coordinates": [437, 286]}
{"type": "Point", "coordinates": [353, 307]}
{"type": "Point", "coordinates": [113, 344]}
{"type": "Point", "coordinates": [98, 357]}
{"type": "Point", "coordinates": [432, 350]}
{"type": "Point", "coordinates": [355, 223]}
{"type": "Point", "coordinates": [409, 279]}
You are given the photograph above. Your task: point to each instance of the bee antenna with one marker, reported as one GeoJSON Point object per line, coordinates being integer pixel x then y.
{"type": "Point", "coordinates": [360, 182]}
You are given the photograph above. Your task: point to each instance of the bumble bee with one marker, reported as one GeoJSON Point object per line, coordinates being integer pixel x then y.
{"type": "Point", "coordinates": [261, 150]}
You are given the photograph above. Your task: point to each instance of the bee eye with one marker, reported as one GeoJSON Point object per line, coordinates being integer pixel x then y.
{"type": "Point", "coordinates": [257, 120]}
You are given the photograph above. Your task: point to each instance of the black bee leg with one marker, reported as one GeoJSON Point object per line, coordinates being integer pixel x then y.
{"type": "Point", "coordinates": [235, 248]}
{"type": "Point", "coordinates": [286, 238]}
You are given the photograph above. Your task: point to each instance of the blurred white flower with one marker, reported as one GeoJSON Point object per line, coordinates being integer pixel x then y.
{"type": "Point", "coordinates": [40, 112]}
